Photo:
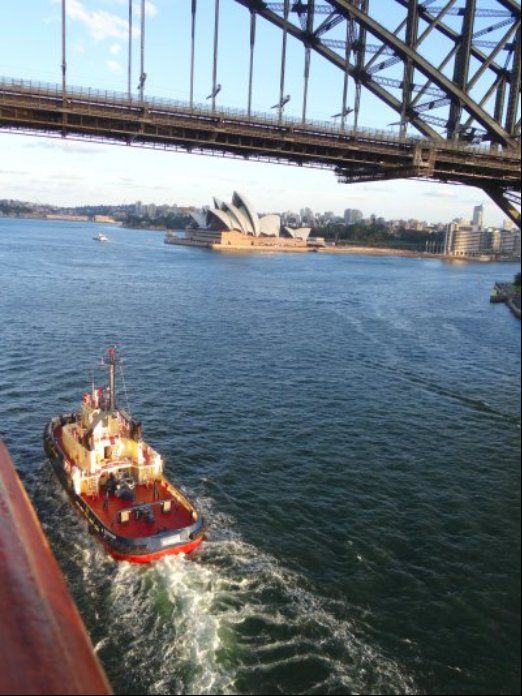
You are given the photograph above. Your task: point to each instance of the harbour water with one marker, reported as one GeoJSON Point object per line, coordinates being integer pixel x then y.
{"type": "Point", "coordinates": [349, 424]}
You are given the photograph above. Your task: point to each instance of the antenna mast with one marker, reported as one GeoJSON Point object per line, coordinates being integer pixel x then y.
{"type": "Point", "coordinates": [111, 359]}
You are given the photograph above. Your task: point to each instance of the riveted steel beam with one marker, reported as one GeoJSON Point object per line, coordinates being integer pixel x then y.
{"type": "Point", "coordinates": [500, 197]}
{"type": "Point", "coordinates": [329, 23]}
{"type": "Point", "coordinates": [448, 32]}
{"type": "Point", "coordinates": [461, 69]}
{"type": "Point", "coordinates": [455, 92]}
{"type": "Point", "coordinates": [251, 63]}
{"type": "Point", "coordinates": [500, 98]}
{"type": "Point", "coordinates": [514, 90]}
{"type": "Point", "coordinates": [310, 33]}
{"type": "Point", "coordinates": [359, 65]}
{"type": "Point", "coordinates": [143, 76]}
{"type": "Point", "coordinates": [129, 52]}
{"type": "Point", "coordinates": [354, 71]}
{"type": "Point", "coordinates": [499, 46]}
{"type": "Point", "coordinates": [216, 52]}
{"type": "Point", "coordinates": [512, 6]}
{"type": "Point", "coordinates": [192, 49]}
{"type": "Point", "coordinates": [458, 94]}
{"type": "Point", "coordinates": [412, 28]}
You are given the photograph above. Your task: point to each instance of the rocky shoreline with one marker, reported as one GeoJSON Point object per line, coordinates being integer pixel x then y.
{"type": "Point", "coordinates": [509, 293]}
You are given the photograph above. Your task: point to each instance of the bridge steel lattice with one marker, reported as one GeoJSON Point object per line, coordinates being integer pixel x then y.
{"type": "Point", "coordinates": [458, 114]}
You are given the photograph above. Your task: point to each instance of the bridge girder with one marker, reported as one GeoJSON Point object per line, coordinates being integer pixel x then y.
{"type": "Point", "coordinates": [323, 50]}
{"type": "Point", "coordinates": [457, 88]}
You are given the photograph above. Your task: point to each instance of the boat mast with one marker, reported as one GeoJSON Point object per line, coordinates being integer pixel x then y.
{"type": "Point", "coordinates": [111, 360]}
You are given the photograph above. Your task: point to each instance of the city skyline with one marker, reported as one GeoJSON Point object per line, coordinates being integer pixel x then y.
{"type": "Point", "coordinates": [150, 209]}
{"type": "Point", "coordinates": [71, 173]}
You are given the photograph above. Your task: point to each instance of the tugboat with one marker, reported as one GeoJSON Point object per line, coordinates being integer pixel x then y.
{"type": "Point", "coordinates": [116, 481]}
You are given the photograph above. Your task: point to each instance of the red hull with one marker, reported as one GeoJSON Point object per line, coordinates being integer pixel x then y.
{"type": "Point", "coordinates": [149, 557]}
{"type": "Point", "coordinates": [45, 648]}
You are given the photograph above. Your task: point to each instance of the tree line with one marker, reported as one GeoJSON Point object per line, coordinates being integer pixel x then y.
{"type": "Point", "coordinates": [378, 235]}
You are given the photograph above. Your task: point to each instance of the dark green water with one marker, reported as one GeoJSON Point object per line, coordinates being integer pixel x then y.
{"type": "Point", "coordinates": [351, 426]}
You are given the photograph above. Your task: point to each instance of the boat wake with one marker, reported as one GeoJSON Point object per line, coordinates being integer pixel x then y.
{"type": "Point", "coordinates": [231, 619]}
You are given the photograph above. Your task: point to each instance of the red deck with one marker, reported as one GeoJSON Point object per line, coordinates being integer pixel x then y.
{"type": "Point", "coordinates": [107, 511]}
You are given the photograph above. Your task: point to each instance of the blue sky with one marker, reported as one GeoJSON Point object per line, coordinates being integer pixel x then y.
{"type": "Point", "coordinates": [69, 172]}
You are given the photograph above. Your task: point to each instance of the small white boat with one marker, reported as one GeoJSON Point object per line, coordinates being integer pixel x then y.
{"type": "Point", "coordinates": [100, 237]}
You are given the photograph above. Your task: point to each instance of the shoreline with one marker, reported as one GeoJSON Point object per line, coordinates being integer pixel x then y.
{"type": "Point", "coordinates": [354, 250]}
{"type": "Point", "coordinates": [379, 251]}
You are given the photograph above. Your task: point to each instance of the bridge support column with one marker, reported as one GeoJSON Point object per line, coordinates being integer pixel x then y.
{"type": "Point", "coordinates": [461, 70]}
{"type": "Point", "coordinates": [514, 94]}
{"type": "Point", "coordinates": [499, 197]}
{"type": "Point", "coordinates": [412, 29]}
{"type": "Point", "coordinates": [64, 68]}
{"type": "Point", "coordinates": [192, 48]}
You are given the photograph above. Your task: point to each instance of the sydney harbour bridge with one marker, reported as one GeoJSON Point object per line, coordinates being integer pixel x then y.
{"type": "Point", "coordinates": [447, 70]}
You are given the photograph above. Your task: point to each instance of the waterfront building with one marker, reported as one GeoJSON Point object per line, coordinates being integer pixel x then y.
{"type": "Point", "coordinates": [464, 240]}
{"type": "Point", "coordinates": [138, 209]}
{"type": "Point", "coordinates": [506, 242]}
{"type": "Point", "coordinates": [67, 216]}
{"type": "Point", "coordinates": [478, 216]}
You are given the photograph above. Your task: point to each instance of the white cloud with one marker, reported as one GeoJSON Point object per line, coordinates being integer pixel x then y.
{"type": "Point", "coordinates": [99, 23]}
{"type": "Point", "coordinates": [115, 49]}
{"type": "Point", "coordinates": [113, 66]}
{"type": "Point", "coordinates": [102, 24]}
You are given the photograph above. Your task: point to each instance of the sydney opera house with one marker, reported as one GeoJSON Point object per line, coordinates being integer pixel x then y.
{"type": "Point", "coordinates": [238, 225]}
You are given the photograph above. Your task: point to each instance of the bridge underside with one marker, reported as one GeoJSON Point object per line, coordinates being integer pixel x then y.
{"type": "Point", "coordinates": [355, 156]}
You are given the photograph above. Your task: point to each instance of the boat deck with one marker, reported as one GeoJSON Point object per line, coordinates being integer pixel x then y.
{"type": "Point", "coordinates": [107, 509]}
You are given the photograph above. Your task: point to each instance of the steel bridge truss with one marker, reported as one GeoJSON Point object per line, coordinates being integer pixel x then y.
{"type": "Point", "coordinates": [472, 95]}
{"type": "Point", "coordinates": [386, 48]}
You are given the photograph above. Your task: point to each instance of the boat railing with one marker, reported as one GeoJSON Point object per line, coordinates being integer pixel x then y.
{"type": "Point", "coordinates": [178, 495]}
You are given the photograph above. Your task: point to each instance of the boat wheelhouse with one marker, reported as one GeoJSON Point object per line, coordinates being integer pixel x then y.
{"type": "Point", "coordinates": [116, 480]}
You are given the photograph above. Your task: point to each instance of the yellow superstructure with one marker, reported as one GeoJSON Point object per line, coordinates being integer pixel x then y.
{"type": "Point", "coordinates": [100, 443]}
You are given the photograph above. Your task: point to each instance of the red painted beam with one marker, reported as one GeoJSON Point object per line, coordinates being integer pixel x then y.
{"type": "Point", "coordinates": [44, 647]}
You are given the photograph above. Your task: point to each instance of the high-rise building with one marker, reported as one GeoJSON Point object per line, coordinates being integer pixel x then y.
{"type": "Point", "coordinates": [307, 214]}
{"type": "Point", "coordinates": [138, 208]}
{"type": "Point", "coordinates": [352, 215]}
{"type": "Point", "coordinates": [478, 215]}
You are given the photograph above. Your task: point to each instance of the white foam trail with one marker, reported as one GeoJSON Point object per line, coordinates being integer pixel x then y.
{"type": "Point", "coordinates": [231, 620]}
{"type": "Point", "coordinates": [169, 608]}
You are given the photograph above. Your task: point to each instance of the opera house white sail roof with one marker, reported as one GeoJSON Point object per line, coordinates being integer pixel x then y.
{"type": "Point", "coordinates": [239, 215]}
